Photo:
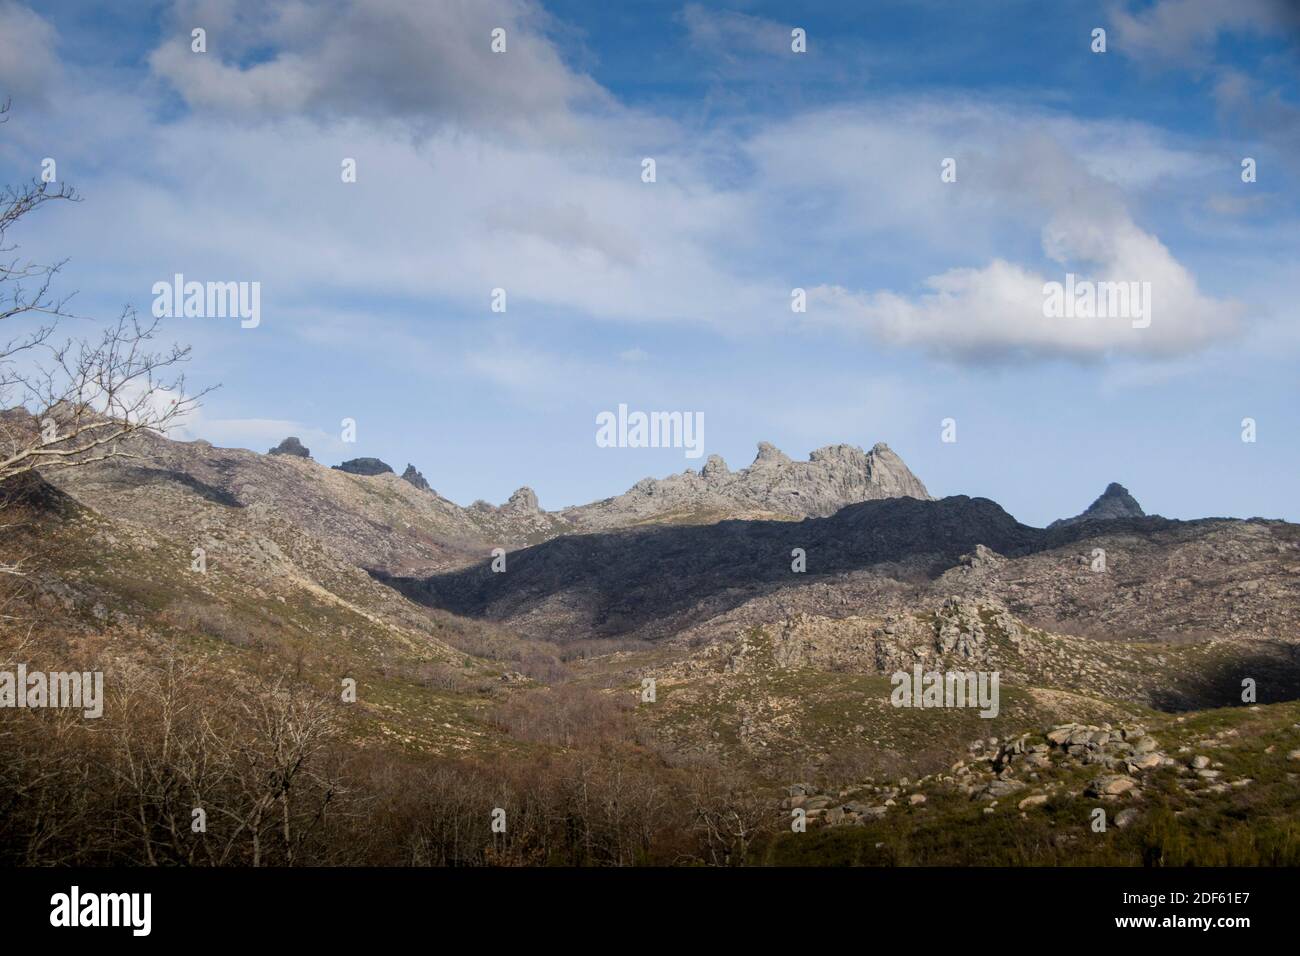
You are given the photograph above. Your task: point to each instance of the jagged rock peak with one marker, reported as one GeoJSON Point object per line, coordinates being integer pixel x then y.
{"type": "Point", "coordinates": [364, 466]}
{"type": "Point", "coordinates": [1114, 502]}
{"type": "Point", "coordinates": [415, 478]}
{"type": "Point", "coordinates": [831, 478]}
{"type": "Point", "coordinates": [291, 446]}
{"type": "Point", "coordinates": [769, 454]}
{"type": "Point", "coordinates": [525, 499]}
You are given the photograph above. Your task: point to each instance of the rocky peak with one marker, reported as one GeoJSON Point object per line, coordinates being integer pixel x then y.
{"type": "Point", "coordinates": [839, 454]}
{"type": "Point", "coordinates": [769, 456]}
{"type": "Point", "coordinates": [364, 466]}
{"type": "Point", "coordinates": [291, 446]}
{"type": "Point", "coordinates": [1115, 502]}
{"type": "Point", "coordinates": [832, 478]}
{"type": "Point", "coordinates": [524, 500]}
{"type": "Point", "coordinates": [415, 478]}
{"type": "Point", "coordinates": [715, 467]}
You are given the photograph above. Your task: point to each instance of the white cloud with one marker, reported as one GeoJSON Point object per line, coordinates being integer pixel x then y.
{"type": "Point", "coordinates": [567, 227]}
{"type": "Point", "coordinates": [1185, 31]}
{"type": "Point", "coordinates": [409, 58]}
{"type": "Point", "coordinates": [29, 67]}
{"type": "Point", "coordinates": [730, 32]}
{"type": "Point", "coordinates": [996, 312]}
{"type": "Point", "coordinates": [262, 434]}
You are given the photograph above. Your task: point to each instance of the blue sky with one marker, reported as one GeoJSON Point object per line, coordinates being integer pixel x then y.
{"type": "Point", "coordinates": [775, 170]}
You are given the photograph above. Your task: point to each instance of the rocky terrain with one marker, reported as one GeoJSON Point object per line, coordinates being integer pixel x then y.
{"type": "Point", "coordinates": [769, 608]}
{"type": "Point", "coordinates": [399, 525]}
{"type": "Point", "coordinates": [1125, 578]}
{"type": "Point", "coordinates": [1153, 792]}
{"type": "Point", "coordinates": [773, 485]}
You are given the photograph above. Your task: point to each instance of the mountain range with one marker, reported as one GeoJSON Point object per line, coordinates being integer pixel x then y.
{"type": "Point", "coordinates": [768, 605]}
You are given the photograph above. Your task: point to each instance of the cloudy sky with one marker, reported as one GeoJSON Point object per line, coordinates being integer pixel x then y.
{"type": "Point", "coordinates": [775, 170]}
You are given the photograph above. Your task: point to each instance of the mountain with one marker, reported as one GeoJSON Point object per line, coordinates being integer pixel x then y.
{"type": "Point", "coordinates": [1115, 502]}
{"type": "Point", "coordinates": [772, 486]}
{"type": "Point", "coordinates": [1124, 579]}
{"type": "Point", "coordinates": [648, 582]}
{"type": "Point", "coordinates": [400, 526]}
{"type": "Point", "coordinates": [771, 632]}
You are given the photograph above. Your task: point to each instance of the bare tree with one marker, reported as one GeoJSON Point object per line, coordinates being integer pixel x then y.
{"type": "Point", "coordinates": [71, 401]}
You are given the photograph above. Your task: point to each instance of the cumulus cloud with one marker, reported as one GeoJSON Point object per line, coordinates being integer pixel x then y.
{"type": "Point", "coordinates": [568, 228]}
{"type": "Point", "coordinates": [404, 58]}
{"type": "Point", "coordinates": [29, 66]}
{"type": "Point", "coordinates": [996, 312]}
{"type": "Point", "coordinates": [1186, 31]}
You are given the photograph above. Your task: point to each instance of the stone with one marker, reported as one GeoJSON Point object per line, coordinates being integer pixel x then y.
{"type": "Point", "coordinates": [413, 477]}
{"type": "Point", "coordinates": [291, 446]}
{"type": "Point", "coordinates": [1110, 785]}
{"type": "Point", "coordinates": [1036, 800]}
{"type": "Point", "coordinates": [365, 466]}
{"type": "Point", "coordinates": [1001, 788]}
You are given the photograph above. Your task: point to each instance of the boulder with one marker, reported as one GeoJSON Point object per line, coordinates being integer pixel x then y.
{"type": "Point", "coordinates": [1110, 785]}
{"type": "Point", "coordinates": [1127, 817]}
{"type": "Point", "coordinates": [364, 466]}
{"type": "Point", "coordinates": [291, 446]}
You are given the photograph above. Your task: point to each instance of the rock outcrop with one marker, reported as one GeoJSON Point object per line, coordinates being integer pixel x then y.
{"type": "Point", "coordinates": [1114, 503]}
{"type": "Point", "coordinates": [415, 478]}
{"type": "Point", "coordinates": [291, 446]}
{"type": "Point", "coordinates": [365, 466]}
{"type": "Point", "coordinates": [773, 485]}
{"type": "Point", "coordinates": [523, 501]}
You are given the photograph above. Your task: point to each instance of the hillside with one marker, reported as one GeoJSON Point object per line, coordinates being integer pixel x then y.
{"type": "Point", "coordinates": [772, 643]}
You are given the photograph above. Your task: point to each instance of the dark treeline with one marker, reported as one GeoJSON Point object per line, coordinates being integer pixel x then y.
{"type": "Point", "coordinates": [282, 780]}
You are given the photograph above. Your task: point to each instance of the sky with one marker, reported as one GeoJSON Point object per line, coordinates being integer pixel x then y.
{"type": "Point", "coordinates": [774, 170]}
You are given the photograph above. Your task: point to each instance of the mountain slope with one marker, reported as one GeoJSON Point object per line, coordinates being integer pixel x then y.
{"type": "Point", "coordinates": [1113, 503]}
{"type": "Point", "coordinates": [649, 582]}
{"type": "Point", "coordinates": [401, 526]}
{"type": "Point", "coordinates": [1135, 578]}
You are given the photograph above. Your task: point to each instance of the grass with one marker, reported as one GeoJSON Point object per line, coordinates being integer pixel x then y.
{"type": "Point", "coordinates": [1254, 825]}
